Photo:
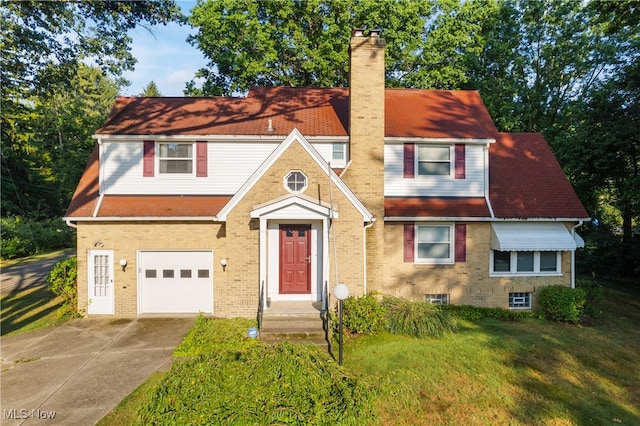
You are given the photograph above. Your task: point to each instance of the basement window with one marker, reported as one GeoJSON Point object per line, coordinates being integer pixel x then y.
{"type": "Point", "coordinates": [519, 300]}
{"type": "Point", "coordinates": [437, 299]}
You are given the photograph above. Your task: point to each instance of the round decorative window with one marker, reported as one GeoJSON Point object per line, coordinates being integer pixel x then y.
{"type": "Point", "coordinates": [295, 181]}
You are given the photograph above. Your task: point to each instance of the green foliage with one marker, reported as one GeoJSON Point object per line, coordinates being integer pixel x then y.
{"type": "Point", "coordinates": [211, 335]}
{"type": "Point", "coordinates": [474, 313]}
{"type": "Point", "coordinates": [304, 43]}
{"type": "Point", "coordinates": [560, 303]}
{"type": "Point", "coordinates": [361, 315]}
{"type": "Point", "coordinates": [417, 318]}
{"type": "Point", "coordinates": [151, 90]}
{"type": "Point", "coordinates": [24, 237]}
{"type": "Point", "coordinates": [63, 281]}
{"type": "Point", "coordinates": [260, 385]}
{"type": "Point", "coordinates": [593, 296]}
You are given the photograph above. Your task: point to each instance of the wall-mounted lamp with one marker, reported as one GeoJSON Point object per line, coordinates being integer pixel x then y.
{"type": "Point", "coordinates": [123, 263]}
{"type": "Point", "coordinates": [223, 262]}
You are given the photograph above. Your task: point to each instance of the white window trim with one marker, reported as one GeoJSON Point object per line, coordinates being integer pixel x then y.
{"type": "Point", "coordinates": [157, 159]}
{"type": "Point", "coordinates": [344, 152]}
{"type": "Point", "coordinates": [286, 183]}
{"type": "Point", "coordinates": [520, 307]}
{"type": "Point", "coordinates": [417, 162]}
{"type": "Point", "coordinates": [434, 261]}
{"type": "Point", "coordinates": [536, 266]}
{"type": "Point", "coordinates": [437, 298]}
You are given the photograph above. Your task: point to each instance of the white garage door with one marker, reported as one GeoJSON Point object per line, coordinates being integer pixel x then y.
{"type": "Point", "coordinates": [176, 281]}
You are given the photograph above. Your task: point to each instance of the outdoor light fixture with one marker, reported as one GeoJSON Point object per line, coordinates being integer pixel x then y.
{"type": "Point", "coordinates": [341, 292]}
{"type": "Point", "coordinates": [223, 262]}
{"type": "Point", "coordinates": [123, 263]}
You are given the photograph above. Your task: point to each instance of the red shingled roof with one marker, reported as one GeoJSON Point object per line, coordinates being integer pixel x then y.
{"type": "Point", "coordinates": [315, 112]}
{"type": "Point", "coordinates": [526, 180]}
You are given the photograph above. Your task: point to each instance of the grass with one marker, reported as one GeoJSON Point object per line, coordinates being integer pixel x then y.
{"type": "Point", "coordinates": [29, 310]}
{"type": "Point", "coordinates": [492, 372]}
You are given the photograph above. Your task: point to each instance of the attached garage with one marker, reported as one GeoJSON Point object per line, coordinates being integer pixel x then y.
{"type": "Point", "coordinates": [175, 282]}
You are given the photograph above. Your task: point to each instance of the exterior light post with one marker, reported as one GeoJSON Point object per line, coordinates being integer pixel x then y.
{"type": "Point", "coordinates": [341, 292]}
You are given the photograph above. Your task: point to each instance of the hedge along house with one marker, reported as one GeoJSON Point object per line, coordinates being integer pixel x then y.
{"type": "Point", "coordinates": [202, 204]}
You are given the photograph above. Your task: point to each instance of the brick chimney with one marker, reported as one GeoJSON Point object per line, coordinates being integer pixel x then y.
{"type": "Point", "coordinates": [365, 173]}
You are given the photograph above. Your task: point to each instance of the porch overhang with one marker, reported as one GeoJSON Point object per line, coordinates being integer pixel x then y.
{"type": "Point", "coordinates": [294, 207]}
{"type": "Point", "coordinates": [528, 236]}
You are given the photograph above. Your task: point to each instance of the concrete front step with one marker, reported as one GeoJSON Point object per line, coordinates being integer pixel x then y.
{"type": "Point", "coordinates": [293, 327]}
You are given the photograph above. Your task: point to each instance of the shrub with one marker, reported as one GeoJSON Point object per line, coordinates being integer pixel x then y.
{"type": "Point", "coordinates": [362, 315]}
{"type": "Point", "coordinates": [593, 295]}
{"type": "Point", "coordinates": [474, 313]}
{"type": "Point", "coordinates": [262, 384]}
{"type": "Point", "coordinates": [25, 237]}
{"type": "Point", "coordinates": [560, 303]}
{"type": "Point", "coordinates": [63, 281]}
{"type": "Point", "coordinates": [209, 335]}
{"type": "Point", "coordinates": [416, 318]}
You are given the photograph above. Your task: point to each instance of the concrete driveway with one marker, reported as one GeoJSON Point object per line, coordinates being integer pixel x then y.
{"type": "Point", "coordinates": [77, 372]}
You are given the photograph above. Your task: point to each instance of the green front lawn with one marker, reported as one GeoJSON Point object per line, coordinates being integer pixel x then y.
{"type": "Point", "coordinates": [489, 372]}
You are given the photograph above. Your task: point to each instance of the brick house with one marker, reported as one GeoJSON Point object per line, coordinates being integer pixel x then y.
{"type": "Point", "coordinates": [202, 204]}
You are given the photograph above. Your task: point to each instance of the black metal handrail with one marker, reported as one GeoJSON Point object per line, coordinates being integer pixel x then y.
{"type": "Point", "coordinates": [260, 305]}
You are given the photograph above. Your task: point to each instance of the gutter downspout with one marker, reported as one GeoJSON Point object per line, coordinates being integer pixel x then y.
{"type": "Point", "coordinates": [573, 255]}
{"type": "Point", "coordinates": [70, 224]}
{"type": "Point", "coordinates": [486, 181]}
{"type": "Point", "coordinates": [364, 246]}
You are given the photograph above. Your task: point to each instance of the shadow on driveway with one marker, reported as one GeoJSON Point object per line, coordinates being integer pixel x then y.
{"type": "Point", "coordinates": [79, 371]}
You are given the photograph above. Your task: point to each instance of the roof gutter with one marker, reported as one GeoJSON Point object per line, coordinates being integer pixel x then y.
{"type": "Point", "coordinates": [145, 219]}
{"type": "Point", "coordinates": [70, 224]}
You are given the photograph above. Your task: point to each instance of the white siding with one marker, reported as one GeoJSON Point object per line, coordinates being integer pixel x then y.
{"type": "Point", "coordinates": [229, 165]}
{"type": "Point", "coordinates": [395, 185]}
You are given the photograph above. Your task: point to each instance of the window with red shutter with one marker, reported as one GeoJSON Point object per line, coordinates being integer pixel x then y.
{"type": "Point", "coordinates": [409, 160]}
{"type": "Point", "coordinates": [461, 242]}
{"type": "Point", "coordinates": [148, 158]}
{"type": "Point", "coordinates": [409, 229]}
{"type": "Point", "coordinates": [201, 158]}
{"type": "Point", "coordinates": [460, 161]}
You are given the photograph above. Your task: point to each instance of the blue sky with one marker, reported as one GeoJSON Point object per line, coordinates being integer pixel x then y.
{"type": "Point", "coordinates": [164, 57]}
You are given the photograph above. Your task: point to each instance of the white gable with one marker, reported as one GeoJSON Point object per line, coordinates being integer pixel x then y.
{"type": "Point", "coordinates": [295, 137]}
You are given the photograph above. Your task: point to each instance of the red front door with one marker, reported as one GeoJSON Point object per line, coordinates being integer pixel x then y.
{"type": "Point", "coordinates": [295, 259]}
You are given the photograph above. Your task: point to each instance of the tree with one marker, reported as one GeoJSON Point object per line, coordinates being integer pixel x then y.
{"type": "Point", "coordinates": [42, 48]}
{"type": "Point", "coordinates": [539, 57]}
{"type": "Point", "coordinates": [305, 43]}
{"type": "Point", "coordinates": [44, 158]}
{"type": "Point", "coordinates": [151, 90]}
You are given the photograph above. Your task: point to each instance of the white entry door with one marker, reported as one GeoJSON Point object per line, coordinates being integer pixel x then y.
{"type": "Point", "coordinates": [100, 281]}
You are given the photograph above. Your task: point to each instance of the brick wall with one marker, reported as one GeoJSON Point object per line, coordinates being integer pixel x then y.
{"type": "Point", "coordinates": [365, 173]}
{"type": "Point", "coordinates": [467, 283]}
{"type": "Point", "coordinates": [125, 239]}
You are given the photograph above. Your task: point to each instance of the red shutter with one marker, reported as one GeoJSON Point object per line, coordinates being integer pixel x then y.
{"type": "Point", "coordinates": [461, 242]}
{"type": "Point", "coordinates": [460, 161]}
{"type": "Point", "coordinates": [409, 229]}
{"type": "Point", "coordinates": [201, 159]}
{"type": "Point", "coordinates": [148, 158]}
{"type": "Point", "coordinates": [409, 160]}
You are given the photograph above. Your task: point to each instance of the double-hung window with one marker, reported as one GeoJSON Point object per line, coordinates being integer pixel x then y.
{"type": "Point", "coordinates": [525, 262]}
{"type": "Point", "coordinates": [175, 158]}
{"type": "Point", "coordinates": [434, 244]}
{"type": "Point", "coordinates": [433, 160]}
